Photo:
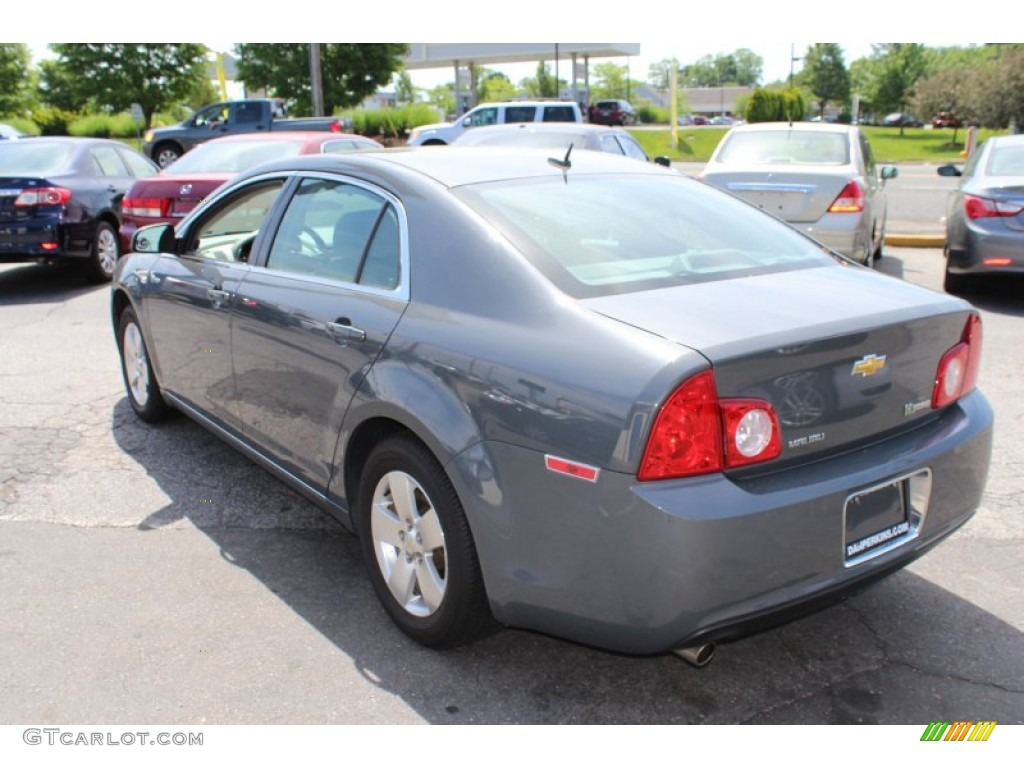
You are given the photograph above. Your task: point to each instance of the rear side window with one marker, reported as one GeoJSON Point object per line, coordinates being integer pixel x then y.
{"type": "Point", "coordinates": [107, 162]}
{"type": "Point", "coordinates": [520, 114]}
{"type": "Point", "coordinates": [559, 114]}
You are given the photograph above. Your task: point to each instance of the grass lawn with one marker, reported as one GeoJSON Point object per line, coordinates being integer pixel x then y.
{"type": "Point", "coordinates": [916, 145]}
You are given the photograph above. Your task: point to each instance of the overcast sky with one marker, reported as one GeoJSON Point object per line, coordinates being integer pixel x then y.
{"type": "Point", "coordinates": [663, 30]}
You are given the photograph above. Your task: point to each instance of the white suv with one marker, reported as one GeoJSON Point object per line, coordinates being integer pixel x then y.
{"type": "Point", "coordinates": [496, 114]}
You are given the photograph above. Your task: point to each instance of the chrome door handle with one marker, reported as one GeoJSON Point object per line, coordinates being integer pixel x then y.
{"type": "Point", "coordinates": [343, 330]}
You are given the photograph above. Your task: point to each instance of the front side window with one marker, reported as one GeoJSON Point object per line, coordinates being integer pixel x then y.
{"type": "Point", "coordinates": [229, 232]}
{"type": "Point", "coordinates": [484, 116]}
{"type": "Point", "coordinates": [338, 231]}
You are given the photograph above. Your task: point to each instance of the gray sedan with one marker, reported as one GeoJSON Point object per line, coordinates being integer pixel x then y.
{"type": "Point", "coordinates": [589, 397]}
{"type": "Point", "coordinates": [820, 177]}
{"type": "Point", "coordinates": [985, 214]}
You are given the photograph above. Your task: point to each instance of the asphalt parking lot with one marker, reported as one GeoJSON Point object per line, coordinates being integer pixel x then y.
{"type": "Point", "coordinates": [155, 575]}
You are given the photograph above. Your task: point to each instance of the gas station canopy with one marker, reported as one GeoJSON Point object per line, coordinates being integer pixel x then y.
{"type": "Point", "coordinates": [434, 55]}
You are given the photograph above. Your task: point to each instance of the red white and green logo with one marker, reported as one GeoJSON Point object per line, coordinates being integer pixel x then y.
{"type": "Point", "coordinates": [958, 730]}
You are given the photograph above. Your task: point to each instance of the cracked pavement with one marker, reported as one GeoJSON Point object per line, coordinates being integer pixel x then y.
{"type": "Point", "coordinates": [154, 575]}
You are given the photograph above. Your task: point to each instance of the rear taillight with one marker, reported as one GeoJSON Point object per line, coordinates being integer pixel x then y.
{"type": "Point", "coordinates": [336, 127]}
{"type": "Point", "coordinates": [145, 207]}
{"type": "Point", "coordinates": [696, 433]}
{"type": "Point", "coordinates": [957, 373]}
{"type": "Point", "coordinates": [850, 200]}
{"type": "Point", "coordinates": [984, 208]}
{"type": "Point", "coordinates": [42, 196]}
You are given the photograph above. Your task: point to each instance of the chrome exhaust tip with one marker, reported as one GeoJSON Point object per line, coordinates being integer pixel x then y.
{"type": "Point", "coordinates": [698, 655]}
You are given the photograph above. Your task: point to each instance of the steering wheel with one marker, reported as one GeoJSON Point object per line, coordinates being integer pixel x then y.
{"type": "Point", "coordinates": [310, 233]}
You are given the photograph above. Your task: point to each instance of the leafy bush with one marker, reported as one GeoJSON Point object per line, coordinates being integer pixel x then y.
{"type": "Point", "coordinates": [649, 113]}
{"type": "Point", "coordinates": [394, 122]}
{"type": "Point", "coordinates": [767, 105]}
{"type": "Point", "coordinates": [53, 121]}
{"type": "Point", "coordinates": [120, 126]}
{"type": "Point", "coordinates": [24, 125]}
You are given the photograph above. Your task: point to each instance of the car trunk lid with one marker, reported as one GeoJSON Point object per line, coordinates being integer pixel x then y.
{"type": "Point", "coordinates": [793, 194]}
{"type": "Point", "coordinates": [182, 193]}
{"type": "Point", "coordinates": [843, 354]}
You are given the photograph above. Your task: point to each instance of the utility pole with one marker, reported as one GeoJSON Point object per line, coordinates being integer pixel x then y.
{"type": "Point", "coordinates": [316, 83]}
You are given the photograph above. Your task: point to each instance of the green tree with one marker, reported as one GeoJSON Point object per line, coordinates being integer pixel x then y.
{"type": "Point", "coordinates": [405, 91]}
{"type": "Point", "coordinates": [349, 71]}
{"type": "Point", "coordinates": [15, 79]}
{"type": "Point", "coordinates": [115, 75]}
{"type": "Point", "coordinates": [748, 67]}
{"type": "Point", "coordinates": [900, 66]}
{"type": "Point", "coordinates": [495, 86]}
{"type": "Point", "coordinates": [825, 74]}
{"type": "Point", "coordinates": [612, 81]}
{"type": "Point", "coordinates": [542, 85]}
{"type": "Point", "coordinates": [996, 99]}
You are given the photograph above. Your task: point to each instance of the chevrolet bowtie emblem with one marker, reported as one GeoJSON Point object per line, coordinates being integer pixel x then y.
{"type": "Point", "coordinates": [868, 365]}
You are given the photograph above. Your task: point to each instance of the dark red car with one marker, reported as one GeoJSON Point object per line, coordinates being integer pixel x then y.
{"type": "Point", "coordinates": [171, 194]}
{"type": "Point", "coordinates": [612, 112]}
{"type": "Point", "coordinates": [946, 120]}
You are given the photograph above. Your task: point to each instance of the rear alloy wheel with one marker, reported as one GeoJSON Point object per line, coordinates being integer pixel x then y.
{"type": "Point", "coordinates": [418, 547]}
{"type": "Point", "coordinates": [137, 371]}
{"type": "Point", "coordinates": [166, 154]}
{"type": "Point", "coordinates": [106, 250]}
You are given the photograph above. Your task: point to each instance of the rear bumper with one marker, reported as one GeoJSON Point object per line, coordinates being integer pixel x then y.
{"type": "Point", "coordinates": [42, 240]}
{"type": "Point", "coordinates": [841, 232]}
{"type": "Point", "coordinates": [982, 245]}
{"type": "Point", "coordinates": [648, 567]}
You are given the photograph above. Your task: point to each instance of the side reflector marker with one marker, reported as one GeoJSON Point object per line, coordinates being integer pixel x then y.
{"type": "Point", "coordinates": [571, 468]}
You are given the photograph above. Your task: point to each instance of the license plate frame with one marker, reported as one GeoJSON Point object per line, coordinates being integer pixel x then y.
{"type": "Point", "coordinates": [884, 516]}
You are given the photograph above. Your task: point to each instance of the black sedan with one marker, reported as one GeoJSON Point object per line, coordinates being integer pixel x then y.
{"type": "Point", "coordinates": [581, 395]}
{"type": "Point", "coordinates": [985, 214]}
{"type": "Point", "coordinates": [60, 198]}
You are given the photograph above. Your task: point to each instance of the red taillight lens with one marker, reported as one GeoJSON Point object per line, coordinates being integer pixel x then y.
{"type": "Point", "coordinates": [984, 208]}
{"type": "Point", "coordinates": [695, 433]}
{"type": "Point", "coordinates": [145, 207]}
{"type": "Point", "coordinates": [957, 373]}
{"type": "Point", "coordinates": [336, 126]}
{"type": "Point", "coordinates": [850, 200]}
{"type": "Point", "coordinates": [42, 196]}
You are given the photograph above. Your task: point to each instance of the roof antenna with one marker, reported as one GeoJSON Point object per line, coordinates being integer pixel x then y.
{"type": "Point", "coordinates": [565, 164]}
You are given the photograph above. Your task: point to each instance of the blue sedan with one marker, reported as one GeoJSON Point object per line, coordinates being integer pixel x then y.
{"type": "Point", "coordinates": [567, 392]}
{"type": "Point", "coordinates": [60, 199]}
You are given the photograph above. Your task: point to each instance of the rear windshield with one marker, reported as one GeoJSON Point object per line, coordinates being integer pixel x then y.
{"type": "Point", "coordinates": [234, 156]}
{"type": "Point", "coordinates": [796, 146]}
{"type": "Point", "coordinates": [30, 158]}
{"type": "Point", "coordinates": [1006, 161]}
{"type": "Point", "coordinates": [599, 235]}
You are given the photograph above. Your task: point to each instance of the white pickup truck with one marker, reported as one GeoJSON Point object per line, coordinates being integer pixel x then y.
{"type": "Point", "coordinates": [496, 114]}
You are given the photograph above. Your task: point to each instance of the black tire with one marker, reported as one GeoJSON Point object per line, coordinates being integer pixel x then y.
{"type": "Point", "coordinates": [437, 594]}
{"type": "Point", "coordinates": [106, 250]}
{"type": "Point", "coordinates": [137, 371]}
{"type": "Point", "coordinates": [166, 153]}
{"type": "Point", "coordinates": [955, 284]}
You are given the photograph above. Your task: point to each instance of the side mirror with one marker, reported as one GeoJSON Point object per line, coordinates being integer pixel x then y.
{"type": "Point", "coordinates": [466, 122]}
{"type": "Point", "coordinates": [889, 172]}
{"type": "Point", "coordinates": [156, 238]}
{"type": "Point", "coordinates": [662, 160]}
{"type": "Point", "coordinates": [949, 170]}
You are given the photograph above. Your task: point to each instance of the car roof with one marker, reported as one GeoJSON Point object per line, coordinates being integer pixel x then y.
{"type": "Point", "coordinates": [285, 136]}
{"type": "Point", "coordinates": [454, 166]}
{"type": "Point", "coordinates": [578, 129]}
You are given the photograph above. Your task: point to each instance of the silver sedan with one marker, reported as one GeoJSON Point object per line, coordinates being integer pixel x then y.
{"type": "Point", "coordinates": [820, 177]}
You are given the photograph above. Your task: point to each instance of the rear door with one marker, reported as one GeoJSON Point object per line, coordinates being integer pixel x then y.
{"type": "Point", "coordinates": [314, 315]}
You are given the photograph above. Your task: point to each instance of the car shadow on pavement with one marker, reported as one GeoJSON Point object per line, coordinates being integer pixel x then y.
{"type": "Point", "coordinates": [905, 651]}
{"type": "Point", "coordinates": [44, 283]}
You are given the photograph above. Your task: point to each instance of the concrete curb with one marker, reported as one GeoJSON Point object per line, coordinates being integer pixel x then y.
{"type": "Point", "coordinates": [916, 241]}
